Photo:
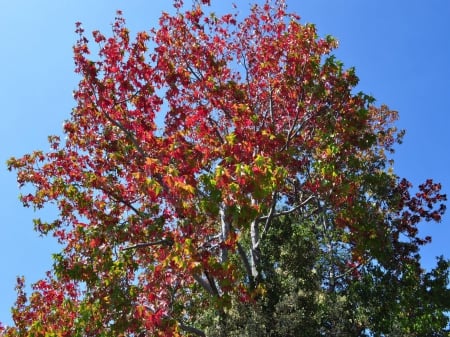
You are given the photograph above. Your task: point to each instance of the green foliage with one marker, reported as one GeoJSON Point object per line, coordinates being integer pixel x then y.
{"type": "Point", "coordinates": [300, 298]}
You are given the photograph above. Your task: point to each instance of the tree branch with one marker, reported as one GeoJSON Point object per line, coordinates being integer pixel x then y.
{"type": "Point", "coordinates": [246, 263]}
{"type": "Point", "coordinates": [191, 329]}
{"type": "Point", "coordinates": [164, 242]}
{"type": "Point", "coordinates": [225, 231]}
{"type": "Point", "coordinates": [289, 211]}
{"type": "Point", "coordinates": [348, 271]}
{"type": "Point", "coordinates": [117, 123]}
{"type": "Point", "coordinates": [212, 283]}
{"type": "Point", "coordinates": [255, 251]}
{"type": "Point", "coordinates": [269, 217]}
{"type": "Point", "coordinates": [204, 284]}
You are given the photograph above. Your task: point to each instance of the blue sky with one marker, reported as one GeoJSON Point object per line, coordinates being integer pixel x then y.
{"type": "Point", "coordinates": [401, 51]}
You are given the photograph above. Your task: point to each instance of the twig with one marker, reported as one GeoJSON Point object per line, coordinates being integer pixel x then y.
{"type": "Point", "coordinates": [164, 242]}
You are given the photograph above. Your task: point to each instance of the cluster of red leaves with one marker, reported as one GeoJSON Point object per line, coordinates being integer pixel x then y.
{"type": "Point", "coordinates": [57, 302]}
{"type": "Point", "coordinates": [220, 125]}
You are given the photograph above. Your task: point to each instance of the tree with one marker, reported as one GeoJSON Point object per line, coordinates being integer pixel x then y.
{"type": "Point", "coordinates": [191, 152]}
{"type": "Point", "coordinates": [303, 298]}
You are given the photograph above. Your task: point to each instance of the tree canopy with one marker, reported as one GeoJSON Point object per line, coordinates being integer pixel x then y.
{"type": "Point", "coordinates": [223, 177]}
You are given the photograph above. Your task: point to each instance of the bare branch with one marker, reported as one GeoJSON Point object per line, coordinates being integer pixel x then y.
{"type": "Point", "coordinates": [127, 132]}
{"type": "Point", "coordinates": [164, 242]}
{"type": "Point", "coordinates": [225, 230]}
{"type": "Point", "coordinates": [255, 251]}
{"type": "Point", "coordinates": [212, 283]}
{"type": "Point", "coordinates": [269, 217]}
{"type": "Point", "coordinates": [289, 211]}
{"type": "Point", "coordinates": [348, 271]}
{"type": "Point", "coordinates": [216, 129]}
{"type": "Point", "coordinates": [191, 329]}
{"type": "Point", "coordinates": [204, 283]}
{"type": "Point", "coordinates": [246, 263]}
{"type": "Point", "coordinates": [291, 132]}
{"type": "Point", "coordinates": [127, 203]}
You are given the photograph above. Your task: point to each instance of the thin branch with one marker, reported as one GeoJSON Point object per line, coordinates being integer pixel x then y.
{"type": "Point", "coordinates": [127, 132]}
{"type": "Point", "coordinates": [164, 242]}
{"type": "Point", "coordinates": [291, 133]}
{"type": "Point", "coordinates": [199, 77]}
{"type": "Point", "coordinates": [269, 218]}
{"type": "Point", "coordinates": [271, 105]}
{"type": "Point", "coordinates": [216, 129]}
{"type": "Point", "coordinates": [289, 211]}
{"type": "Point", "coordinates": [246, 263]}
{"type": "Point", "coordinates": [191, 329]}
{"type": "Point", "coordinates": [255, 251]}
{"type": "Point", "coordinates": [117, 123]}
{"type": "Point", "coordinates": [204, 284]}
{"type": "Point", "coordinates": [225, 231]}
{"type": "Point", "coordinates": [348, 271]}
{"type": "Point", "coordinates": [127, 203]}
{"type": "Point", "coordinates": [212, 283]}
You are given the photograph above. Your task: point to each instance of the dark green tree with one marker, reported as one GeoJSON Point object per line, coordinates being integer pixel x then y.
{"type": "Point", "coordinates": [312, 288]}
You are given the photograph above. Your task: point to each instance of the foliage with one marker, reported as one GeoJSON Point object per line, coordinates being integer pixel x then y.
{"type": "Point", "coordinates": [306, 297]}
{"type": "Point", "coordinates": [213, 167]}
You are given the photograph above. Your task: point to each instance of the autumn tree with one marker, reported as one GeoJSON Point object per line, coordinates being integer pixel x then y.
{"type": "Point", "coordinates": [191, 151]}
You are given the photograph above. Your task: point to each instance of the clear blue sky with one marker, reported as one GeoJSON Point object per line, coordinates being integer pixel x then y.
{"type": "Point", "coordinates": [401, 51]}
